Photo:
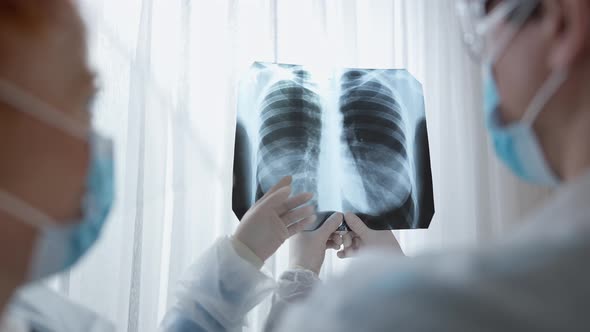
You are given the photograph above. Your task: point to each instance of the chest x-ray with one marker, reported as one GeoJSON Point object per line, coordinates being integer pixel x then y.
{"type": "Point", "coordinates": [356, 138]}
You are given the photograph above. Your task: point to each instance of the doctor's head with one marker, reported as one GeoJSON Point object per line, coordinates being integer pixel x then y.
{"type": "Point", "coordinates": [537, 59]}
{"type": "Point", "coordinates": [44, 82]}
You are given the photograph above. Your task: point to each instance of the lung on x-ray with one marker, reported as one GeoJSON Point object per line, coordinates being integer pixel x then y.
{"type": "Point", "coordinates": [356, 138]}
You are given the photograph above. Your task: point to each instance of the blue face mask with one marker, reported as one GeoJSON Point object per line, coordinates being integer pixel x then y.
{"type": "Point", "coordinates": [59, 247]}
{"type": "Point", "coordinates": [516, 144]}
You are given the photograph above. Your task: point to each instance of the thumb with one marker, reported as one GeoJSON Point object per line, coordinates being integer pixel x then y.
{"type": "Point", "coordinates": [356, 224]}
{"type": "Point", "coordinates": [331, 224]}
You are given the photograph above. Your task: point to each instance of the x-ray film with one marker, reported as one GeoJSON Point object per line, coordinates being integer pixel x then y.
{"type": "Point", "coordinates": [356, 138]}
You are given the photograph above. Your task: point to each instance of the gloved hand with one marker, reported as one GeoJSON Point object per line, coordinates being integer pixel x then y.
{"type": "Point", "coordinates": [308, 249]}
{"type": "Point", "coordinates": [362, 237]}
{"type": "Point", "coordinates": [275, 218]}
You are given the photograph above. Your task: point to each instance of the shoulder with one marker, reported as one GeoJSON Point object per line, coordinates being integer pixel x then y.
{"type": "Point", "coordinates": [11, 324]}
{"type": "Point", "coordinates": [501, 288]}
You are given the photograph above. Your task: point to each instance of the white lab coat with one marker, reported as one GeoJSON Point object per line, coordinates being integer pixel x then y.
{"type": "Point", "coordinates": [535, 280]}
{"type": "Point", "coordinates": [38, 308]}
{"type": "Point", "coordinates": [222, 287]}
{"type": "Point", "coordinates": [9, 324]}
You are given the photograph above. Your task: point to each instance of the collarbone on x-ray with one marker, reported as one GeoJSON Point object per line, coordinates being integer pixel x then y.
{"type": "Point", "coordinates": [356, 138]}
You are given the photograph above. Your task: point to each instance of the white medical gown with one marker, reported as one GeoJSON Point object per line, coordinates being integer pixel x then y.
{"type": "Point", "coordinates": [222, 287]}
{"type": "Point", "coordinates": [40, 309]}
{"type": "Point", "coordinates": [535, 280]}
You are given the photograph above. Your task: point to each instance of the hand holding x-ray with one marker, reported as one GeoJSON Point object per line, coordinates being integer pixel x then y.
{"type": "Point", "coordinates": [362, 237]}
{"type": "Point", "coordinates": [308, 249]}
{"type": "Point", "coordinates": [275, 218]}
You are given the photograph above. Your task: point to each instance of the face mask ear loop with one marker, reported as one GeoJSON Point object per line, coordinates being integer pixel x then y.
{"type": "Point", "coordinates": [24, 102]}
{"type": "Point", "coordinates": [547, 91]}
{"type": "Point", "coordinates": [22, 211]}
{"type": "Point", "coordinates": [496, 17]}
{"type": "Point", "coordinates": [500, 15]}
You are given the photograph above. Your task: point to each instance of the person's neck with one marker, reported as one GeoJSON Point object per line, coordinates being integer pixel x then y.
{"type": "Point", "coordinates": [575, 153]}
{"type": "Point", "coordinates": [17, 240]}
{"type": "Point", "coordinates": [6, 291]}
{"type": "Point", "coordinates": [567, 131]}
{"type": "Point", "coordinates": [568, 141]}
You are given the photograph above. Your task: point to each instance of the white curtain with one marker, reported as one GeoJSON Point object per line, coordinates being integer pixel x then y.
{"type": "Point", "coordinates": [169, 72]}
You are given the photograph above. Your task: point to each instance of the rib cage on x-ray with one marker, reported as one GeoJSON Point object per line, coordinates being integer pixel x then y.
{"type": "Point", "coordinates": [355, 138]}
{"type": "Point", "coordinates": [290, 134]}
{"type": "Point", "coordinates": [375, 147]}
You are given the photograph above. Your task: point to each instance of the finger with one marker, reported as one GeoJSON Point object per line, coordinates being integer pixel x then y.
{"type": "Point", "coordinates": [342, 254]}
{"type": "Point", "coordinates": [346, 253]}
{"type": "Point", "coordinates": [356, 224]}
{"type": "Point", "coordinates": [300, 226]}
{"type": "Point", "coordinates": [331, 224]}
{"type": "Point", "coordinates": [332, 245]}
{"type": "Point", "coordinates": [277, 198]}
{"type": "Point", "coordinates": [286, 181]}
{"type": "Point", "coordinates": [298, 214]}
{"type": "Point", "coordinates": [293, 202]}
{"type": "Point", "coordinates": [336, 238]}
{"type": "Point", "coordinates": [356, 243]}
{"type": "Point", "coordinates": [347, 239]}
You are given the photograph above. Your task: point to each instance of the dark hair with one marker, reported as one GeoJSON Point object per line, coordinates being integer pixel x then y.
{"type": "Point", "coordinates": [32, 15]}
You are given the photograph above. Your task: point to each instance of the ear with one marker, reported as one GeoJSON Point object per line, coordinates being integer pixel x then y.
{"type": "Point", "coordinates": [572, 32]}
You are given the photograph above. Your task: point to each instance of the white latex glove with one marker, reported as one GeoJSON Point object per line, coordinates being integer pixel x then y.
{"type": "Point", "coordinates": [275, 218]}
{"type": "Point", "coordinates": [308, 249]}
{"type": "Point", "coordinates": [362, 237]}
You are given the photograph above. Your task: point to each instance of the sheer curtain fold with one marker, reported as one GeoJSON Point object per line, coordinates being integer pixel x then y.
{"type": "Point", "coordinates": [170, 70]}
